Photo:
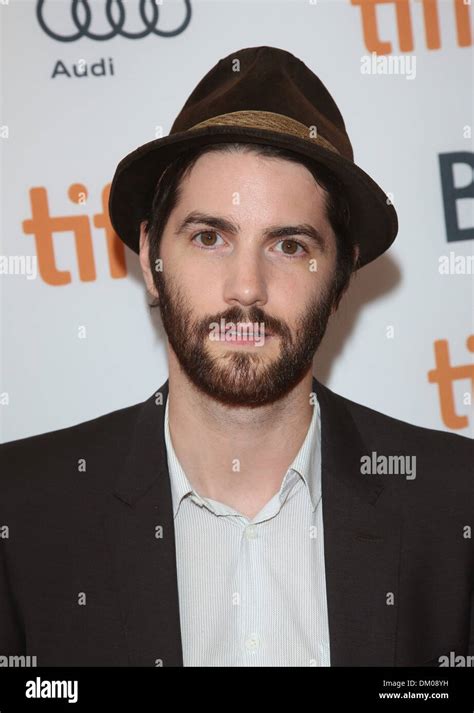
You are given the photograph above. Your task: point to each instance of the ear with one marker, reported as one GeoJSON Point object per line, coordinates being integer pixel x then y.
{"type": "Point", "coordinates": [145, 260]}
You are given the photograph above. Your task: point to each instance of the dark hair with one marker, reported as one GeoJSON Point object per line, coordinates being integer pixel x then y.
{"type": "Point", "coordinates": [168, 190]}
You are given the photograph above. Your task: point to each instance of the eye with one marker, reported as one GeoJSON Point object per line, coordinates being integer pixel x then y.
{"type": "Point", "coordinates": [289, 243]}
{"type": "Point", "coordinates": [208, 241]}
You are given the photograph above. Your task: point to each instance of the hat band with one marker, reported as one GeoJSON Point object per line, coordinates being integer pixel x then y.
{"type": "Point", "coordinates": [267, 120]}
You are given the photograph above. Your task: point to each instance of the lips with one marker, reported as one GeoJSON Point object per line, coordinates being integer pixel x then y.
{"type": "Point", "coordinates": [235, 335]}
{"type": "Point", "coordinates": [243, 338]}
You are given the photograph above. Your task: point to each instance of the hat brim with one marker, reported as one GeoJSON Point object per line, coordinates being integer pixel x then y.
{"type": "Point", "coordinates": [373, 217]}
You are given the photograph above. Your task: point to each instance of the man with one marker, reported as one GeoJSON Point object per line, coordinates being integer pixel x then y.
{"type": "Point", "coordinates": [244, 514]}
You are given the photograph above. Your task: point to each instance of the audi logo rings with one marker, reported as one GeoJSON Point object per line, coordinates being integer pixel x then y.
{"type": "Point", "coordinates": [116, 24]}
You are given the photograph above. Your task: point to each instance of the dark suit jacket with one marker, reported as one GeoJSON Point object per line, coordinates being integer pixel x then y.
{"type": "Point", "coordinates": [82, 505]}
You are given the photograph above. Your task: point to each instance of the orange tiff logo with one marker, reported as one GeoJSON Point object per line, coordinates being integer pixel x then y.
{"type": "Point", "coordinates": [445, 375]}
{"type": "Point", "coordinates": [460, 14]}
{"type": "Point", "coordinates": [43, 226]}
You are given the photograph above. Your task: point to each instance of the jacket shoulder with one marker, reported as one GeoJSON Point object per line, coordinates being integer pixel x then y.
{"type": "Point", "coordinates": [368, 418]}
{"type": "Point", "coordinates": [112, 419]}
{"type": "Point", "coordinates": [45, 460]}
{"type": "Point", "coordinates": [441, 452]}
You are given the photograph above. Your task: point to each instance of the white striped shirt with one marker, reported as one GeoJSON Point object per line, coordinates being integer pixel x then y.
{"type": "Point", "coordinates": [253, 592]}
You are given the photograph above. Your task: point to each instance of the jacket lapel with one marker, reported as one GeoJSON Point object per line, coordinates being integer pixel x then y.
{"type": "Point", "coordinates": [361, 544]}
{"type": "Point", "coordinates": [140, 532]}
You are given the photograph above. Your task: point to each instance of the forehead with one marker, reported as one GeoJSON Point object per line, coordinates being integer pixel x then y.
{"type": "Point", "coordinates": [259, 186]}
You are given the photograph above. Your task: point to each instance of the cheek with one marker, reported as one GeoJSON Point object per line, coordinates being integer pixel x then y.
{"type": "Point", "coordinates": [298, 283]}
{"type": "Point", "coordinates": [204, 295]}
{"type": "Point", "coordinates": [199, 283]}
{"type": "Point", "coordinates": [291, 294]}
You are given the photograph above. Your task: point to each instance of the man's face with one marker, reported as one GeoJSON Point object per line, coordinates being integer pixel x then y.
{"type": "Point", "coordinates": [245, 307]}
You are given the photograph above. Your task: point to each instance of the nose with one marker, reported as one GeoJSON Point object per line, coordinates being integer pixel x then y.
{"type": "Point", "coordinates": [245, 281]}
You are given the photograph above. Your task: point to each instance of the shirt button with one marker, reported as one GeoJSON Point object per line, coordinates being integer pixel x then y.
{"type": "Point", "coordinates": [252, 642]}
{"type": "Point", "coordinates": [251, 532]}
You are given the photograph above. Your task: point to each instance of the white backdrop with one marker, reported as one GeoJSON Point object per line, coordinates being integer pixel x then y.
{"type": "Point", "coordinates": [73, 351]}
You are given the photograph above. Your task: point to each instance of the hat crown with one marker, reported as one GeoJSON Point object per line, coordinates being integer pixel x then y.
{"type": "Point", "coordinates": [266, 79]}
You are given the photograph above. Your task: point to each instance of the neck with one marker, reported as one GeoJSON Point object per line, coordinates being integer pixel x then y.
{"type": "Point", "coordinates": [236, 455]}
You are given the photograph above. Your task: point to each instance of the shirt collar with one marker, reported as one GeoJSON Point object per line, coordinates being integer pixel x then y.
{"type": "Point", "coordinates": [306, 464]}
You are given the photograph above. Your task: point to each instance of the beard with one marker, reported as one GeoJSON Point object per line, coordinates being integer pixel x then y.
{"type": "Point", "coordinates": [241, 377]}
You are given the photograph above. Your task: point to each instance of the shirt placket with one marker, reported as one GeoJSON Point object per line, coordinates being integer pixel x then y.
{"type": "Point", "coordinates": [251, 620]}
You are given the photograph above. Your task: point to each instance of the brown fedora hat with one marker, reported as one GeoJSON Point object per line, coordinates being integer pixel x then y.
{"type": "Point", "coordinates": [258, 95]}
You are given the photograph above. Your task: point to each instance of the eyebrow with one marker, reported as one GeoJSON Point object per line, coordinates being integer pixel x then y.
{"type": "Point", "coordinates": [229, 226]}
